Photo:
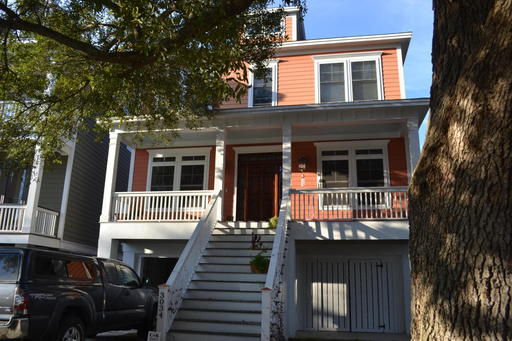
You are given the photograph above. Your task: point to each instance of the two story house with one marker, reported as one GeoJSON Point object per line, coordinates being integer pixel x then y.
{"type": "Point", "coordinates": [325, 140]}
{"type": "Point", "coordinates": [56, 206]}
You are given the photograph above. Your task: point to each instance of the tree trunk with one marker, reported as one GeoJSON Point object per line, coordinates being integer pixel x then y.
{"type": "Point", "coordinates": [461, 193]}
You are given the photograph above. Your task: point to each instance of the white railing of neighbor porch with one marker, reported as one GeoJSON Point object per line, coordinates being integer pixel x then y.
{"type": "Point", "coordinates": [160, 206]}
{"type": "Point", "coordinates": [171, 294]}
{"type": "Point", "coordinates": [11, 218]}
{"type": "Point", "coordinates": [46, 222]}
{"type": "Point", "coordinates": [357, 203]}
{"type": "Point", "coordinates": [273, 294]}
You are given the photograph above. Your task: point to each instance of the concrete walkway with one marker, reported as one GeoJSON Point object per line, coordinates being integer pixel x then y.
{"type": "Point", "coordinates": [128, 335]}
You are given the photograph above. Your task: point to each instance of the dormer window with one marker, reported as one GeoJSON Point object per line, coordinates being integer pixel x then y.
{"type": "Point", "coordinates": [263, 90]}
{"type": "Point", "coordinates": [348, 77]}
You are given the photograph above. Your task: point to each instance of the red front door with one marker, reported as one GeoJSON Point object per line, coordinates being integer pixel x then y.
{"type": "Point", "coordinates": [258, 186]}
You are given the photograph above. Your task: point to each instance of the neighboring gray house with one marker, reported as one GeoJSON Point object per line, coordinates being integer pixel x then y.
{"type": "Point", "coordinates": [58, 206]}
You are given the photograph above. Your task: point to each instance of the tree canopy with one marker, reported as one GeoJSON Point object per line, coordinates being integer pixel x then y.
{"type": "Point", "coordinates": [165, 62]}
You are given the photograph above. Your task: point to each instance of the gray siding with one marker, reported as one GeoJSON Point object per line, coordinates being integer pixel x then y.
{"type": "Point", "coordinates": [86, 190]}
{"type": "Point", "coordinates": [123, 169]}
{"type": "Point", "coordinates": [52, 185]}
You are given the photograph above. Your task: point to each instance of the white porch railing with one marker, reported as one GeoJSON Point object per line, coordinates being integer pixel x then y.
{"type": "Point", "coordinates": [160, 206]}
{"type": "Point", "coordinates": [371, 203]}
{"type": "Point", "coordinates": [46, 222]}
{"type": "Point", "coordinates": [273, 296]}
{"type": "Point", "coordinates": [11, 218]}
{"type": "Point", "coordinates": [171, 294]}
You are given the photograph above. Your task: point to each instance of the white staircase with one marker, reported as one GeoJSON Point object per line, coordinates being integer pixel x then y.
{"type": "Point", "coordinates": [223, 300]}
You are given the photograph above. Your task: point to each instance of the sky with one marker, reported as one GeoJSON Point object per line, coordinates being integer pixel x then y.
{"type": "Point", "coordinates": [338, 18]}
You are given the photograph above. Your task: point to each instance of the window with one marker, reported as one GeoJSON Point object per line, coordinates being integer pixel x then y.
{"type": "Point", "coordinates": [49, 267]}
{"type": "Point", "coordinates": [263, 90]}
{"type": "Point", "coordinates": [81, 270]}
{"type": "Point", "coordinates": [348, 77]}
{"type": "Point", "coordinates": [332, 82]}
{"type": "Point", "coordinates": [262, 87]}
{"type": "Point", "coordinates": [9, 266]}
{"type": "Point", "coordinates": [122, 275]}
{"type": "Point", "coordinates": [351, 164]}
{"type": "Point", "coordinates": [178, 169]}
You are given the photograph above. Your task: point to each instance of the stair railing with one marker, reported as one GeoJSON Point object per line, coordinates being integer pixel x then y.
{"type": "Point", "coordinates": [273, 293]}
{"type": "Point", "coordinates": [170, 295]}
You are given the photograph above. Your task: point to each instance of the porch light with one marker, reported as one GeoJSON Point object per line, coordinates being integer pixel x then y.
{"type": "Point", "coordinates": [302, 163]}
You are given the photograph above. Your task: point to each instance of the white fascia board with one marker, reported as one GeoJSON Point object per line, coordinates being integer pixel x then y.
{"type": "Point", "coordinates": [369, 40]}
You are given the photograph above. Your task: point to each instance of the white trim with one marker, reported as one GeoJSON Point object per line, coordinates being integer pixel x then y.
{"type": "Point", "coordinates": [351, 146]}
{"type": "Point", "coordinates": [362, 40]}
{"type": "Point", "coordinates": [294, 26]}
{"type": "Point", "coordinates": [347, 59]}
{"type": "Point", "coordinates": [34, 190]}
{"type": "Point", "coordinates": [178, 153]}
{"type": "Point", "coordinates": [110, 175]}
{"type": "Point", "coordinates": [132, 165]}
{"type": "Point", "coordinates": [401, 77]}
{"type": "Point", "coordinates": [276, 148]}
{"type": "Point", "coordinates": [65, 193]}
{"type": "Point", "coordinates": [271, 64]}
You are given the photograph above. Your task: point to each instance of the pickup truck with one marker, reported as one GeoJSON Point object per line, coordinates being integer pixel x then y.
{"type": "Point", "coordinates": [50, 295]}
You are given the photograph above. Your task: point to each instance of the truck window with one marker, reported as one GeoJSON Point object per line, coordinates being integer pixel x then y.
{"type": "Point", "coordinates": [9, 266]}
{"type": "Point", "coordinates": [127, 277]}
{"type": "Point", "coordinates": [83, 270]}
{"type": "Point", "coordinates": [49, 267]}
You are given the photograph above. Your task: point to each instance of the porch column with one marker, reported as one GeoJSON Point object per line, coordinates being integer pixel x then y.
{"type": "Point", "coordinates": [220, 145]}
{"type": "Point", "coordinates": [65, 190]}
{"type": "Point", "coordinates": [413, 144]}
{"type": "Point", "coordinates": [287, 158]}
{"type": "Point", "coordinates": [33, 192]}
{"type": "Point", "coordinates": [110, 176]}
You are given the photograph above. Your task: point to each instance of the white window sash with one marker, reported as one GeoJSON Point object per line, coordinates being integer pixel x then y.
{"type": "Point", "coordinates": [178, 154]}
{"type": "Point", "coordinates": [347, 59]}
{"type": "Point", "coordinates": [271, 64]}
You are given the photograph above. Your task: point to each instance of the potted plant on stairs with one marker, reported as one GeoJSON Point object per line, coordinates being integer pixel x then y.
{"type": "Point", "coordinates": [259, 263]}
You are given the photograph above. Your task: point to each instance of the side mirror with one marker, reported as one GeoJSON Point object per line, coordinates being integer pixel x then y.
{"type": "Point", "coordinates": [146, 282]}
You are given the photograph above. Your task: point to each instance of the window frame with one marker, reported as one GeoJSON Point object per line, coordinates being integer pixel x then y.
{"type": "Point", "coordinates": [351, 147]}
{"type": "Point", "coordinates": [271, 64]}
{"type": "Point", "coordinates": [178, 163]}
{"type": "Point", "coordinates": [347, 59]}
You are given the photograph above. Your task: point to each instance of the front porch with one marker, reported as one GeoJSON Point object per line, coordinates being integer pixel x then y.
{"type": "Point", "coordinates": [32, 201]}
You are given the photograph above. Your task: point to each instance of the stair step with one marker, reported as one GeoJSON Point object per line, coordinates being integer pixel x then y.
{"type": "Point", "coordinates": [219, 315]}
{"type": "Point", "coordinates": [230, 276]}
{"type": "Point", "coordinates": [247, 238]}
{"type": "Point", "coordinates": [217, 326]}
{"type": "Point", "coordinates": [246, 231]}
{"type": "Point", "coordinates": [244, 260]}
{"type": "Point", "coordinates": [249, 295]}
{"type": "Point", "coordinates": [235, 252]}
{"type": "Point", "coordinates": [231, 305]}
{"type": "Point", "coordinates": [243, 224]}
{"type": "Point", "coordinates": [237, 245]}
{"type": "Point", "coordinates": [187, 335]}
{"type": "Point", "coordinates": [223, 285]}
{"type": "Point", "coordinates": [214, 267]}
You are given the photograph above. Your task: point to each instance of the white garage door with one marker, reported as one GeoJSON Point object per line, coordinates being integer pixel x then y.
{"type": "Point", "coordinates": [347, 295]}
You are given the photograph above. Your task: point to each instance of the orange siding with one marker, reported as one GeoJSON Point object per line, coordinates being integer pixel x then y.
{"type": "Point", "coordinates": [307, 150]}
{"type": "Point", "coordinates": [296, 81]}
{"type": "Point", "coordinates": [397, 162]}
{"type": "Point", "coordinates": [288, 28]}
{"type": "Point", "coordinates": [390, 74]}
{"type": "Point", "coordinates": [140, 168]}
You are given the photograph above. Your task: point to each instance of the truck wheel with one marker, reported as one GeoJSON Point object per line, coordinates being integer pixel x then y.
{"type": "Point", "coordinates": [71, 329]}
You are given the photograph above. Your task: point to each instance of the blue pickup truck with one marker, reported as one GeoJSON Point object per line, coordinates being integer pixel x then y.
{"type": "Point", "coordinates": [49, 295]}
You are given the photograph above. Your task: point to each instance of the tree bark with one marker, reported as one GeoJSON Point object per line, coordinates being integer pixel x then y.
{"type": "Point", "coordinates": [460, 196]}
